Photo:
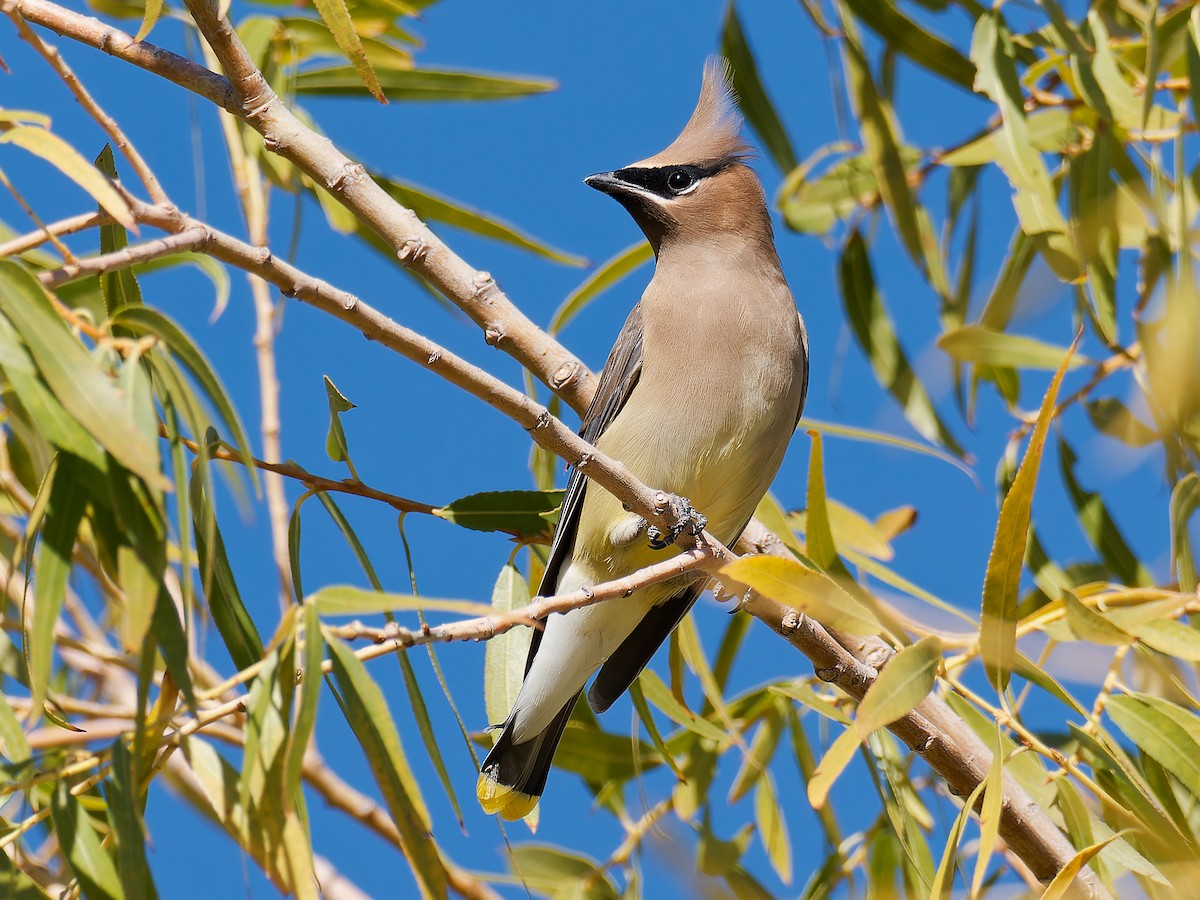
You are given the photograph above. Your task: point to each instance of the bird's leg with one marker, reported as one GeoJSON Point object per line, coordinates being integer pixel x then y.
{"type": "Point", "coordinates": [681, 515]}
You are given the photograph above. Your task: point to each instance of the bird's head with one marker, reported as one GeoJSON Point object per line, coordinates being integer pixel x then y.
{"type": "Point", "coordinates": [700, 186]}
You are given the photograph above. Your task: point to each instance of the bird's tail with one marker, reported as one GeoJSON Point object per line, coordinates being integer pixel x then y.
{"type": "Point", "coordinates": [513, 776]}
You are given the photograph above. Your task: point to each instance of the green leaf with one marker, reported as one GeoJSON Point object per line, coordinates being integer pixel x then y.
{"type": "Point", "coordinates": [876, 334]}
{"type": "Point", "coordinates": [772, 828]}
{"type": "Point", "coordinates": [881, 142]}
{"type": "Point", "coordinates": [229, 613]}
{"type": "Point", "coordinates": [1111, 416]}
{"type": "Point", "coordinates": [526, 514]}
{"type": "Point", "coordinates": [55, 424]}
{"type": "Point", "coordinates": [758, 757]}
{"type": "Point", "coordinates": [119, 288]}
{"type": "Point", "coordinates": [420, 84]}
{"type": "Point", "coordinates": [435, 207]}
{"type": "Point", "coordinates": [882, 438]}
{"type": "Point", "coordinates": [68, 498]}
{"type": "Point", "coordinates": [609, 273]}
{"type": "Point", "coordinates": [903, 683]}
{"type": "Point", "coordinates": [144, 320]}
{"type": "Point", "coordinates": [75, 379]}
{"type": "Point", "coordinates": [547, 869]}
{"type": "Point", "coordinates": [1185, 499]}
{"type": "Point", "coordinates": [368, 716]}
{"type": "Point", "coordinates": [1090, 625]}
{"type": "Point", "coordinates": [982, 346]}
{"type": "Point", "coordinates": [343, 600]}
{"type": "Point", "coordinates": [124, 817]}
{"type": "Point", "coordinates": [990, 812]}
{"type": "Point", "coordinates": [752, 96]}
{"type": "Point", "coordinates": [803, 589]}
{"type": "Point", "coordinates": [1058, 888]}
{"type": "Point", "coordinates": [68, 160]}
{"type": "Point", "coordinates": [1001, 584]}
{"type": "Point", "coordinates": [1035, 197]}
{"type": "Point", "coordinates": [335, 441]}
{"type": "Point", "coordinates": [943, 879]}
{"type": "Point", "coordinates": [337, 19]}
{"type": "Point", "coordinates": [1050, 131]}
{"type": "Point", "coordinates": [657, 692]}
{"type": "Point", "coordinates": [80, 844]}
{"type": "Point", "coordinates": [832, 764]}
{"type": "Point", "coordinates": [915, 41]}
{"type": "Point", "coordinates": [1168, 733]}
{"type": "Point", "coordinates": [602, 757]}
{"type": "Point", "coordinates": [1100, 527]}
{"type": "Point", "coordinates": [638, 698]}
{"type": "Point", "coordinates": [306, 711]}
{"type": "Point", "coordinates": [818, 536]}
{"type": "Point", "coordinates": [504, 658]}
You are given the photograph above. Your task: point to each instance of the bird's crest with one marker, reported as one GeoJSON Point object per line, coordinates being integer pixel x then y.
{"type": "Point", "coordinates": [714, 132]}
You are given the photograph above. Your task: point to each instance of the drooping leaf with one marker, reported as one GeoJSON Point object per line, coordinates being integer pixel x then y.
{"type": "Point", "coordinates": [124, 817]}
{"type": "Point", "coordinates": [337, 19]}
{"type": "Point", "coordinates": [344, 600]}
{"type": "Point", "coordinates": [772, 828]}
{"type": "Point", "coordinates": [54, 150]}
{"type": "Point", "coordinates": [504, 658]}
{"type": "Point", "coordinates": [917, 42]}
{"type": "Point", "coordinates": [876, 334]}
{"type": "Point", "coordinates": [336, 446]}
{"type": "Point", "coordinates": [80, 843]}
{"type": "Point", "coordinates": [903, 683]}
{"type": "Point", "coordinates": [836, 758]}
{"type": "Point", "coordinates": [527, 514]}
{"type": "Point", "coordinates": [68, 497]}
{"type": "Point", "coordinates": [366, 711]}
{"type": "Point", "coordinates": [74, 377]}
{"type": "Point", "coordinates": [979, 345]}
{"type": "Point", "coordinates": [548, 869]}
{"type": "Point", "coordinates": [804, 590]}
{"type": "Point", "coordinates": [752, 96]}
{"type": "Point", "coordinates": [420, 84]}
{"type": "Point", "coordinates": [606, 275]}
{"type": "Point", "coordinates": [1001, 586]}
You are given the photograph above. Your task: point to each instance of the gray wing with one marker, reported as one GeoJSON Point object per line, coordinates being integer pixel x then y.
{"type": "Point", "coordinates": [617, 381]}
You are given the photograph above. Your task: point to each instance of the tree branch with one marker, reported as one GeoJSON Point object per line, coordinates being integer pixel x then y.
{"type": "Point", "coordinates": [55, 229]}
{"type": "Point", "coordinates": [188, 239]}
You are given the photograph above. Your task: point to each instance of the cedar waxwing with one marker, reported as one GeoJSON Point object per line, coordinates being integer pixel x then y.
{"type": "Point", "coordinates": [699, 397]}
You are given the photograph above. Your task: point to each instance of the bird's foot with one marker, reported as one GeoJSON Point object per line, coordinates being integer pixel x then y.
{"type": "Point", "coordinates": [682, 516]}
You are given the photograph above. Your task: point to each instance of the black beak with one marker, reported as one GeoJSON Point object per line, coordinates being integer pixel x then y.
{"type": "Point", "coordinates": [606, 182]}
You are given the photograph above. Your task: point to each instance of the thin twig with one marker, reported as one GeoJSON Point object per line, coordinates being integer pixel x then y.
{"type": "Point", "coordinates": [189, 239]}
{"type": "Point", "coordinates": [106, 122]}
{"type": "Point", "coordinates": [62, 227]}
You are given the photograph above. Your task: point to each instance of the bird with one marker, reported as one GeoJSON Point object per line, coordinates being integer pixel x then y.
{"type": "Point", "coordinates": [699, 397]}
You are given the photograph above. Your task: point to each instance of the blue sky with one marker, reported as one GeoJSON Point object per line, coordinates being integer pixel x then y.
{"type": "Point", "coordinates": [628, 75]}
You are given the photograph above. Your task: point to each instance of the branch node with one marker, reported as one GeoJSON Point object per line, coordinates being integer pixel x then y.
{"type": "Point", "coordinates": [565, 374]}
{"type": "Point", "coordinates": [830, 674]}
{"type": "Point", "coordinates": [351, 174]}
{"type": "Point", "coordinates": [583, 462]}
{"type": "Point", "coordinates": [412, 251]}
{"type": "Point", "coordinates": [434, 356]}
{"type": "Point", "coordinates": [493, 335]}
{"type": "Point", "coordinates": [790, 623]}
{"type": "Point", "coordinates": [543, 420]}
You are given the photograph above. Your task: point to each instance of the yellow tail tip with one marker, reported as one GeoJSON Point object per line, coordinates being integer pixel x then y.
{"type": "Point", "coordinates": [509, 803]}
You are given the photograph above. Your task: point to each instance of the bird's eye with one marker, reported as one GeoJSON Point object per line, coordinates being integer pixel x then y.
{"type": "Point", "coordinates": [679, 181]}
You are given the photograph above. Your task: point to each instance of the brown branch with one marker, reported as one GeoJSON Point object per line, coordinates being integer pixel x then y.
{"type": "Point", "coordinates": [931, 729]}
{"type": "Point", "coordinates": [314, 482]}
{"type": "Point", "coordinates": [54, 229]}
{"type": "Point", "coordinates": [114, 42]}
{"type": "Point", "coordinates": [188, 239]}
{"type": "Point", "coordinates": [547, 431]}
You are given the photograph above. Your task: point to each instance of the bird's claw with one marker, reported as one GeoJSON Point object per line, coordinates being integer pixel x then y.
{"type": "Point", "coordinates": [683, 517]}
